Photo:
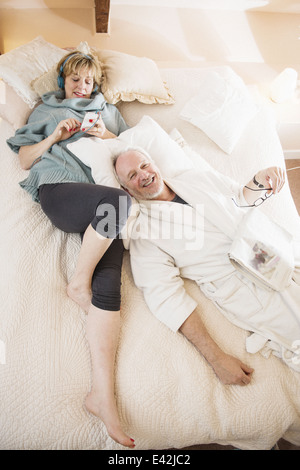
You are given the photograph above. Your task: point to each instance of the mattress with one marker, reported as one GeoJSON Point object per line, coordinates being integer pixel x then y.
{"type": "Point", "coordinates": [167, 394]}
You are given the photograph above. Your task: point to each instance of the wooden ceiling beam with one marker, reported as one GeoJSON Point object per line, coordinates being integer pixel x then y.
{"type": "Point", "coordinates": [102, 8]}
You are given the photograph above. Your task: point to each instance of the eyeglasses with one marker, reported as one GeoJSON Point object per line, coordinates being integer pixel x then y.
{"type": "Point", "coordinates": [260, 200]}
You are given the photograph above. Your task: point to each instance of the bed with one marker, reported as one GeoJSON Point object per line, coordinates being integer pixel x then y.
{"type": "Point", "coordinates": [168, 396]}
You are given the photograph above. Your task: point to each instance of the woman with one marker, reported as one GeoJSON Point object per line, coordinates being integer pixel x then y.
{"type": "Point", "coordinates": [64, 187]}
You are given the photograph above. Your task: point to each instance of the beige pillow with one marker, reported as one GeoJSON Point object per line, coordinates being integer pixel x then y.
{"type": "Point", "coordinates": [128, 78]}
{"type": "Point", "coordinates": [125, 78]}
{"type": "Point", "coordinates": [46, 82]}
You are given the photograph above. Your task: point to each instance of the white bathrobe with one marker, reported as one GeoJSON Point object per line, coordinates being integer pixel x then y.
{"type": "Point", "coordinates": [169, 241]}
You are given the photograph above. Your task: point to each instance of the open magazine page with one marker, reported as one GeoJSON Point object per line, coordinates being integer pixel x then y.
{"type": "Point", "coordinates": [263, 251]}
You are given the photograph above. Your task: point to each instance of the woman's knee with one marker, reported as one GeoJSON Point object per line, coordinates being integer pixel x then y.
{"type": "Point", "coordinates": [112, 213]}
{"type": "Point", "coordinates": [106, 289]}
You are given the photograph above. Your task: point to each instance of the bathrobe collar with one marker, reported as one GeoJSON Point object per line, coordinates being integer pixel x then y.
{"type": "Point", "coordinates": [57, 99]}
{"type": "Point", "coordinates": [207, 194]}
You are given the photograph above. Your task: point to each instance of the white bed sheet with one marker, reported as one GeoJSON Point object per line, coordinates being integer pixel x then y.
{"type": "Point", "coordinates": [168, 396]}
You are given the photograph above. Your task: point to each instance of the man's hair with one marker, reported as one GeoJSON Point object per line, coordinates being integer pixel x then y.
{"type": "Point", "coordinates": [127, 149]}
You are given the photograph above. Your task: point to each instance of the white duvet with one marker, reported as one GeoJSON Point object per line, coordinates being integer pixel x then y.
{"type": "Point", "coordinates": [168, 396]}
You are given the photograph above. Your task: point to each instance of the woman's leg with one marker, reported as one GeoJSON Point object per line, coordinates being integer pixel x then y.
{"type": "Point", "coordinates": [77, 207]}
{"type": "Point", "coordinates": [103, 321]}
{"type": "Point", "coordinates": [103, 334]}
{"type": "Point", "coordinates": [92, 249]}
{"type": "Point", "coordinates": [72, 207]}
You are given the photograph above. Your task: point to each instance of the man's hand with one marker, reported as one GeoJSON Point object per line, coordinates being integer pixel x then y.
{"type": "Point", "coordinates": [273, 177]}
{"type": "Point", "coordinates": [231, 371]}
{"type": "Point", "coordinates": [228, 369]}
{"type": "Point", "coordinates": [270, 180]}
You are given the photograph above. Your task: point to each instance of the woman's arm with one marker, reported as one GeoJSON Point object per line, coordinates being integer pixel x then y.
{"type": "Point", "coordinates": [29, 153]}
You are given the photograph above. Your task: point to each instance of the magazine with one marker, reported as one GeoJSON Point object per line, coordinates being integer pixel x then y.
{"type": "Point", "coordinates": [263, 251]}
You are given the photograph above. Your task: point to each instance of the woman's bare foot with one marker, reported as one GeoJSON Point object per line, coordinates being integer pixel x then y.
{"type": "Point", "coordinates": [108, 413]}
{"type": "Point", "coordinates": [80, 294]}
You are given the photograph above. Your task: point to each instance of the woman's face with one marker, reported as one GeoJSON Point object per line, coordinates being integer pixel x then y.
{"type": "Point", "coordinates": [79, 84]}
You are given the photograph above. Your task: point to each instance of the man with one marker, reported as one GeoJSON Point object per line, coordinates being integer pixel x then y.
{"type": "Point", "coordinates": [159, 261]}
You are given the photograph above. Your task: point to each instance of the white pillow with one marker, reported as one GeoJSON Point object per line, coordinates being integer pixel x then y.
{"type": "Point", "coordinates": [22, 65]}
{"type": "Point", "coordinates": [147, 134]}
{"type": "Point", "coordinates": [222, 109]}
{"type": "Point", "coordinates": [12, 107]}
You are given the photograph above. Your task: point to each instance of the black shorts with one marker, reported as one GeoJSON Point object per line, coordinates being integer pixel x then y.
{"type": "Point", "coordinates": [72, 207]}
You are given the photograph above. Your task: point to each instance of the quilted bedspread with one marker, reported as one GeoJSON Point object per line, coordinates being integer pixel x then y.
{"type": "Point", "coordinates": [167, 394]}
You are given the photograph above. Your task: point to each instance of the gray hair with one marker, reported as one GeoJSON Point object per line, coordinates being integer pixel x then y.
{"type": "Point", "coordinates": [125, 150]}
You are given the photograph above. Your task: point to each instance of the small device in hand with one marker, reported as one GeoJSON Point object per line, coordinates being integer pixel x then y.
{"type": "Point", "coordinates": [89, 121]}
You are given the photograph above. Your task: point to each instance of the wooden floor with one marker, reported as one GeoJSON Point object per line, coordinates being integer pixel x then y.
{"type": "Point", "coordinates": [294, 180]}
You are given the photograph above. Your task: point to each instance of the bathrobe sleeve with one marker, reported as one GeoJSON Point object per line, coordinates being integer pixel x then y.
{"type": "Point", "coordinates": [113, 119]}
{"type": "Point", "coordinates": [39, 126]}
{"type": "Point", "coordinates": [159, 279]}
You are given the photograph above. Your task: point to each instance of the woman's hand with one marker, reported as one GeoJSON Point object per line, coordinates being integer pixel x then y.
{"type": "Point", "coordinates": [65, 129]}
{"type": "Point", "coordinates": [99, 130]}
{"type": "Point", "coordinates": [29, 153]}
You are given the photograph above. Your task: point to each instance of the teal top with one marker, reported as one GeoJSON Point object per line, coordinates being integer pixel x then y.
{"type": "Point", "coordinates": [58, 164]}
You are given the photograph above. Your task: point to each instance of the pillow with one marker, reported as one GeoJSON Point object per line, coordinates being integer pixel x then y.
{"type": "Point", "coordinates": [125, 78]}
{"type": "Point", "coordinates": [147, 134]}
{"type": "Point", "coordinates": [2, 92]}
{"type": "Point", "coordinates": [222, 109]}
{"type": "Point", "coordinates": [12, 107]}
{"type": "Point", "coordinates": [21, 65]}
{"type": "Point", "coordinates": [128, 78]}
{"type": "Point", "coordinates": [197, 161]}
{"type": "Point", "coordinates": [46, 82]}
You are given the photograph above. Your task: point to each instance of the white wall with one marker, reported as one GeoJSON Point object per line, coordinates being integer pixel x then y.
{"type": "Point", "coordinates": [162, 32]}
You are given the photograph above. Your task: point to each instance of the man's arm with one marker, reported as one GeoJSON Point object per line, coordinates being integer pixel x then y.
{"type": "Point", "coordinates": [229, 369]}
{"type": "Point", "coordinates": [273, 177]}
{"type": "Point", "coordinates": [166, 297]}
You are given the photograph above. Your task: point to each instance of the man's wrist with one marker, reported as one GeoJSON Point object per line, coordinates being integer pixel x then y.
{"type": "Point", "coordinates": [259, 185]}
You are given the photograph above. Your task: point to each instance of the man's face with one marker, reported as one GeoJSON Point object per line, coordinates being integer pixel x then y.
{"type": "Point", "coordinates": [138, 175]}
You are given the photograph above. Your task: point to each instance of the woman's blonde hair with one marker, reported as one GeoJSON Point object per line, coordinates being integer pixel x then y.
{"type": "Point", "coordinates": [74, 61]}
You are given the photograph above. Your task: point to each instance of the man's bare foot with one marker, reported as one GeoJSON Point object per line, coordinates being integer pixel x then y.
{"type": "Point", "coordinates": [108, 413]}
{"type": "Point", "coordinates": [80, 294]}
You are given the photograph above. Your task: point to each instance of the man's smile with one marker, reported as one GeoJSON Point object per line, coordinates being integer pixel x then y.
{"type": "Point", "coordinates": [145, 185]}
